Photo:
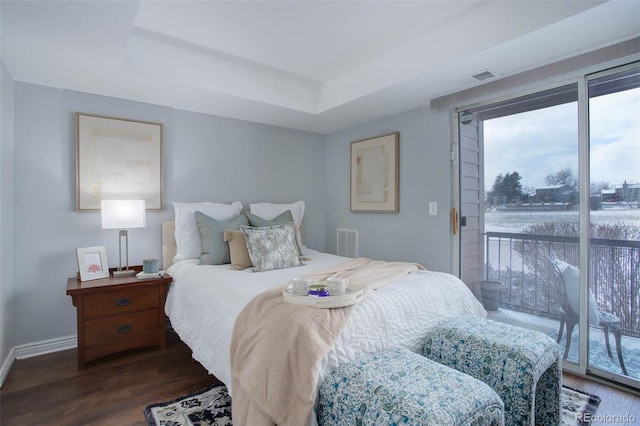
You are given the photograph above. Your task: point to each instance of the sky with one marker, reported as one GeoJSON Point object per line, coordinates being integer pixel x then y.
{"type": "Point", "coordinates": [542, 142]}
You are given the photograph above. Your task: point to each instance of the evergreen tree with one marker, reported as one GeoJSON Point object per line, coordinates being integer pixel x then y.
{"type": "Point", "coordinates": [495, 189]}
{"type": "Point", "coordinates": [507, 186]}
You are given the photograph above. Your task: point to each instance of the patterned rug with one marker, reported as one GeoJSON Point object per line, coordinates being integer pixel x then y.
{"type": "Point", "coordinates": [209, 406]}
{"type": "Point", "coordinates": [212, 406]}
{"type": "Point", "coordinates": [578, 407]}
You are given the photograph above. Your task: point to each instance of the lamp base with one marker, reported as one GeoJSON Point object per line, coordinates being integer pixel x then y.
{"type": "Point", "coordinates": [124, 273]}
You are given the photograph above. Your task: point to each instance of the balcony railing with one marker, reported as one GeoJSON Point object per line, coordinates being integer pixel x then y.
{"type": "Point", "coordinates": [522, 262]}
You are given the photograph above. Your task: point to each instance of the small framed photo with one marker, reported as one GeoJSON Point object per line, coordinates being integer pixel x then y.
{"type": "Point", "coordinates": [92, 263]}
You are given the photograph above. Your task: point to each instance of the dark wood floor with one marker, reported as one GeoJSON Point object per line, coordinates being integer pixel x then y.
{"type": "Point", "coordinates": [49, 390]}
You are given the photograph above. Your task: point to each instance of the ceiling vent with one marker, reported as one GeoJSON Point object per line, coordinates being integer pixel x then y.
{"type": "Point", "coordinates": [484, 75]}
{"type": "Point", "coordinates": [476, 78]}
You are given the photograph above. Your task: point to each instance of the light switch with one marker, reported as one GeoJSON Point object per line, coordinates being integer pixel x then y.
{"type": "Point", "coordinates": [433, 208]}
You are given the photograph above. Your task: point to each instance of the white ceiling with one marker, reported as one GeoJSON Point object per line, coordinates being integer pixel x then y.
{"type": "Point", "coordinates": [319, 66]}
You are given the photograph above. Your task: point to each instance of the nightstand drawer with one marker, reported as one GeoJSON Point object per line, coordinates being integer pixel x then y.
{"type": "Point", "coordinates": [120, 301]}
{"type": "Point", "coordinates": [124, 328]}
{"type": "Point", "coordinates": [117, 314]}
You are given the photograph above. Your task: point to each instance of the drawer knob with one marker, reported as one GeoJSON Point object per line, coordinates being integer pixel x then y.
{"type": "Point", "coordinates": [123, 301]}
{"type": "Point", "coordinates": [124, 328]}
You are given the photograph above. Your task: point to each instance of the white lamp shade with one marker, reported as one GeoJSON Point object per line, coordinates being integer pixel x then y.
{"type": "Point", "coordinates": [123, 214]}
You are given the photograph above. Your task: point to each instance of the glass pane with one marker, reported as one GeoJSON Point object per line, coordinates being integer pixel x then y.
{"type": "Point", "coordinates": [532, 215]}
{"type": "Point", "coordinates": [614, 121]}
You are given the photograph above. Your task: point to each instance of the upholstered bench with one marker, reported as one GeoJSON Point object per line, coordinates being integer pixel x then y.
{"type": "Point", "coordinates": [521, 365]}
{"type": "Point", "coordinates": [397, 386]}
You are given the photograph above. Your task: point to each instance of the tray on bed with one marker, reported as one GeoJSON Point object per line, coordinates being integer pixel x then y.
{"type": "Point", "coordinates": [353, 295]}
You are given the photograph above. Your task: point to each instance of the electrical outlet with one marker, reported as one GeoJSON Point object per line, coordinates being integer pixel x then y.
{"type": "Point", "coordinates": [433, 208]}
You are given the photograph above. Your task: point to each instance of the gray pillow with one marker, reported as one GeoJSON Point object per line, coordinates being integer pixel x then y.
{"type": "Point", "coordinates": [215, 251]}
{"type": "Point", "coordinates": [271, 247]}
{"type": "Point", "coordinates": [284, 217]}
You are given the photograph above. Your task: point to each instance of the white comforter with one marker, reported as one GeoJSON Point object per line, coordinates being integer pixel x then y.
{"type": "Point", "coordinates": [204, 301]}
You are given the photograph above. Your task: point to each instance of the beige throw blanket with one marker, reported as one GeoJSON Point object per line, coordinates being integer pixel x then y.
{"type": "Point", "coordinates": [276, 347]}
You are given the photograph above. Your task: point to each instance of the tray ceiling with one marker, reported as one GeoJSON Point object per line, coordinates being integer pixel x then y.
{"type": "Point", "coordinates": [315, 66]}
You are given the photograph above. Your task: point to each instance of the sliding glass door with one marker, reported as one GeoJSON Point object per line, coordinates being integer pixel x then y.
{"type": "Point", "coordinates": [549, 186]}
{"type": "Point", "coordinates": [531, 214]}
{"type": "Point", "coordinates": [614, 222]}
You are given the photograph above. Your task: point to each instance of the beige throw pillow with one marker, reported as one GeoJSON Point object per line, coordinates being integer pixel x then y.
{"type": "Point", "coordinates": [238, 251]}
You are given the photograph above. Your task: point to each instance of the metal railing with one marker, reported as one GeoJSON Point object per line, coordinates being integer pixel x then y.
{"type": "Point", "coordinates": [522, 262]}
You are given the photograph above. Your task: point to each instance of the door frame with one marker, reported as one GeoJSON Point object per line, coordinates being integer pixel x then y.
{"type": "Point", "coordinates": [582, 367]}
{"type": "Point", "coordinates": [579, 368]}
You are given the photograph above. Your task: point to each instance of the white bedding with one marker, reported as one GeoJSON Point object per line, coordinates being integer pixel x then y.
{"type": "Point", "coordinates": [204, 301]}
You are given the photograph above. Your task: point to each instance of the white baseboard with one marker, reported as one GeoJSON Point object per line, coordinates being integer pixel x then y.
{"type": "Point", "coordinates": [34, 349]}
{"type": "Point", "coordinates": [6, 365]}
{"type": "Point", "coordinates": [46, 346]}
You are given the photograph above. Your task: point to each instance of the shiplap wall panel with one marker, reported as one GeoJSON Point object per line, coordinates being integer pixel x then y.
{"type": "Point", "coordinates": [473, 223]}
{"type": "Point", "coordinates": [470, 182]}
{"type": "Point", "coordinates": [469, 170]}
{"type": "Point", "coordinates": [473, 209]}
{"type": "Point", "coordinates": [469, 156]}
{"type": "Point", "coordinates": [471, 198]}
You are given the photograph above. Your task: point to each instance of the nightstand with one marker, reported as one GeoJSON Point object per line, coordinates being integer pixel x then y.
{"type": "Point", "coordinates": [117, 314]}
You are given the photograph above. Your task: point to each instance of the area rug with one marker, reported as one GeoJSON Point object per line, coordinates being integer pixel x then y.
{"type": "Point", "coordinates": [578, 407]}
{"type": "Point", "coordinates": [212, 406]}
{"type": "Point", "coordinates": [209, 406]}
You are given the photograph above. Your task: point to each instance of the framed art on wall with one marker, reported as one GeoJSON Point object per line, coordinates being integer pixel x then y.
{"type": "Point", "coordinates": [117, 159]}
{"type": "Point", "coordinates": [374, 174]}
{"type": "Point", "coordinates": [92, 263]}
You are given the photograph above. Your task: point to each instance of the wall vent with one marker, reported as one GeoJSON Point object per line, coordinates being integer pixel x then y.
{"type": "Point", "coordinates": [347, 242]}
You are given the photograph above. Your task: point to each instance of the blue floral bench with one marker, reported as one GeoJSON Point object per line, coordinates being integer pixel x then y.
{"type": "Point", "coordinates": [521, 365]}
{"type": "Point", "coordinates": [397, 386]}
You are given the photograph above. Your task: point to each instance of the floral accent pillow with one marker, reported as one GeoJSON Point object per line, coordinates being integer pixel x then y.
{"type": "Point", "coordinates": [283, 217]}
{"type": "Point", "coordinates": [271, 247]}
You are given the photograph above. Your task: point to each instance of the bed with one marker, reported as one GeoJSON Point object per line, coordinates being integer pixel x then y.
{"type": "Point", "coordinates": [205, 302]}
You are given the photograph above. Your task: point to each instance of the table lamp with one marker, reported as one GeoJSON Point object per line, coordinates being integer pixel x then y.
{"type": "Point", "coordinates": [122, 215]}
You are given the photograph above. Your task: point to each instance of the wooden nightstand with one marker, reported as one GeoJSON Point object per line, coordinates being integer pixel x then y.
{"type": "Point", "coordinates": [117, 314]}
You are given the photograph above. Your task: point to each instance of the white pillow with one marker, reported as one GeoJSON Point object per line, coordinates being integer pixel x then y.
{"type": "Point", "coordinates": [571, 277]}
{"type": "Point", "coordinates": [270, 211]}
{"type": "Point", "coordinates": [188, 243]}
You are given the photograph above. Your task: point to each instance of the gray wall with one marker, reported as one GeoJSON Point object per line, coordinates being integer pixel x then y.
{"type": "Point", "coordinates": [206, 158]}
{"type": "Point", "coordinates": [410, 235]}
{"type": "Point", "coordinates": [6, 216]}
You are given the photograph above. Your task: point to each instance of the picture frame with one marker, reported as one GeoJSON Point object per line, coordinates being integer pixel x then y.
{"type": "Point", "coordinates": [375, 174]}
{"type": "Point", "coordinates": [118, 159]}
{"type": "Point", "coordinates": [92, 263]}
